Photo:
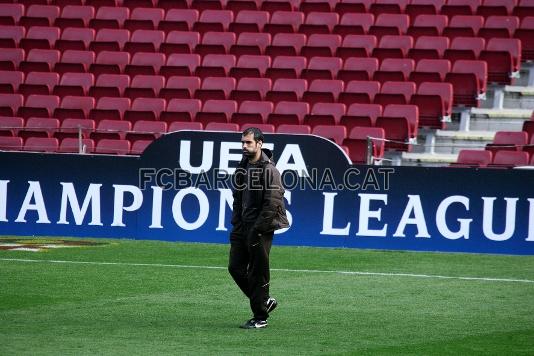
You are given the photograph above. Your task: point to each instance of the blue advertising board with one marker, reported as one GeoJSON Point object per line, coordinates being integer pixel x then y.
{"type": "Point", "coordinates": [180, 189]}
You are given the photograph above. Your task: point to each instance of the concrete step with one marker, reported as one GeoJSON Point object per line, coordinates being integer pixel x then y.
{"type": "Point", "coordinates": [428, 159]}
{"type": "Point", "coordinates": [451, 142]}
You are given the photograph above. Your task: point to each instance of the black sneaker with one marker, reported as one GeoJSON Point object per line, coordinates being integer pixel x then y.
{"type": "Point", "coordinates": [254, 324]}
{"type": "Point", "coordinates": [271, 304]}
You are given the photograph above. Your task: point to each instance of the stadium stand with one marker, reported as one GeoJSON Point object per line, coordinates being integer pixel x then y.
{"type": "Point", "coordinates": [322, 67]}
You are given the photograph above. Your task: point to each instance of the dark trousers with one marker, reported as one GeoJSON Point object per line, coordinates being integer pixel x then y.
{"type": "Point", "coordinates": [249, 266]}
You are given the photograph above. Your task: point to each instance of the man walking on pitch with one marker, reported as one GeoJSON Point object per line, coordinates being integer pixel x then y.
{"type": "Point", "coordinates": [258, 211]}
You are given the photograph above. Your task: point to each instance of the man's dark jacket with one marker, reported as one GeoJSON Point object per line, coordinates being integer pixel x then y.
{"type": "Point", "coordinates": [273, 212]}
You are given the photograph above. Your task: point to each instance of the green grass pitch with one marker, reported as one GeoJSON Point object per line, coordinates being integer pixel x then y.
{"type": "Point", "coordinates": [153, 298]}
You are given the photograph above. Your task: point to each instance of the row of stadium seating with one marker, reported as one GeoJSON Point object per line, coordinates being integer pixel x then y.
{"type": "Point", "coordinates": [508, 149]}
{"type": "Point", "coordinates": [411, 7]}
{"type": "Point", "coordinates": [324, 67]}
{"type": "Point", "coordinates": [109, 140]}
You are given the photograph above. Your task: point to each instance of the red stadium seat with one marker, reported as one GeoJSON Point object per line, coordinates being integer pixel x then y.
{"type": "Point", "coordinates": [362, 92]}
{"type": "Point", "coordinates": [460, 7]}
{"type": "Point", "coordinates": [503, 56]}
{"type": "Point", "coordinates": [465, 48]}
{"type": "Point", "coordinates": [286, 67]}
{"type": "Point", "coordinates": [286, 44]}
{"type": "Point", "coordinates": [468, 79]}
{"type": "Point", "coordinates": [75, 39]}
{"type": "Point", "coordinates": [180, 64]}
{"type": "Point", "coordinates": [496, 7]}
{"type": "Point", "coordinates": [10, 58]}
{"type": "Point", "coordinates": [351, 6]}
{"type": "Point", "coordinates": [251, 89]}
{"type": "Point", "coordinates": [357, 143]}
{"type": "Point", "coordinates": [110, 62]}
{"type": "Point", "coordinates": [268, 128]}
{"type": "Point", "coordinates": [109, 146]}
{"type": "Point", "coordinates": [10, 104]}
{"type": "Point", "coordinates": [249, 21]}
{"type": "Point", "coordinates": [361, 115]}
{"type": "Point", "coordinates": [222, 126]}
{"type": "Point", "coordinates": [308, 6]}
{"type": "Point", "coordinates": [40, 60]}
{"type": "Point", "coordinates": [395, 93]}
{"type": "Point", "coordinates": [473, 158]}
{"type": "Point", "coordinates": [334, 133]}
{"type": "Point", "coordinates": [114, 129]}
{"type": "Point", "coordinates": [509, 159]}
{"type": "Point", "coordinates": [319, 23]}
{"type": "Point", "coordinates": [145, 109]}
{"type": "Point", "coordinates": [10, 126]}
{"type": "Point", "coordinates": [39, 106]}
{"type": "Point", "coordinates": [144, 19]}
{"type": "Point", "coordinates": [499, 27]}
{"type": "Point", "coordinates": [214, 20]}
{"type": "Point", "coordinates": [39, 83]}
{"type": "Point", "coordinates": [294, 129]}
{"type": "Point", "coordinates": [10, 81]}
{"type": "Point", "coordinates": [390, 24]}
{"type": "Point", "coordinates": [429, 47]}
{"type": "Point", "coordinates": [428, 25]}
{"type": "Point", "coordinates": [110, 40]}
{"type": "Point", "coordinates": [110, 17]}
{"type": "Point", "coordinates": [287, 112]}
{"type": "Point", "coordinates": [180, 42]}
{"type": "Point", "coordinates": [250, 66]}
{"type": "Point", "coordinates": [409, 112]}
{"type": "Point", "coordinates": [216, 43]}
{"type": "Point", "coordinates": [71, 145]}
{"type": "Point", "coordinates": [284, 22]}
{"type": "Point", "coordinates": [10, 36]}
{"type": "Point", "coordinates": [10, 14]}
{"type": "Point", "coordinates": [73, 127]}
{"type": "Point", "coordinates": [215, 88]}
{"type": "Point", "coordinates": [147, 130]}
{"type": "Point", "coordinates": [434, 101]}
{"type": "Point", "coordinates": [40, 37]}
{"type": "Point", "coordinates": [41, 144]}
{"type": "Point", "coordinates": [110, 108]}
{"type": "Point", "coordinates": [397, 130]}
{"type": "Point", "coordinates": [321, 45]}
{"type": "Point", "coordinates": [75, 107]}
{"type": "Point", "coordinates": [75, 16]}
{"type": "Point", "coordinates": [144, 41]}
{"type": "Point", "coordinates": [216, 111]}
{"type": "Point", "coordinates": [508, 141]}
{"type": "Point", "coordinates": [145, 63]}
{"type": "Point", "coordinates": [183, 110]}
{"type": "Point", "coordinates": [39, 127]}
{"type": "Point", "coordinates": [251, 43]}
{"type": "Point", "coordinates": [179, 20]}
{"type": "Point", "coordinates": [238, 6]}
{"type": "Point", "coordinates": [179, 125]}
{"type": "Point", "coordinates": [430, 70]}
{"type": "Point", "coordinates": [393, 47]}
{"type": "Point", "coordinates": [145, 86]}
{"type": "Point", "coordinates": [323, 91]}
{"type": "Point", "coordinates": [524, 9]}
{"type": "Point", "coordinates": [528, 127]}
{"type": "Point", "coordinates": [111, 85]}
{"type": "Point", "coordinates": [138, 146]}
{"type": "Point", "coordinates": [74, 84]}
{"type": "Point", "coordinates": [388, 6]}
{"type": "Point", "coordinates": [354, 24]}
{"type": "Point", "coordinates": [11, 143]}
{"type": "Point", "coordinates": [182, 87]}
{"type": "Point", "coordinates": [253, 112]}
{"type": "Point", "coordinates": [394, 69]}
{"type": "Point", "coordinates": [39, 15]}
{"type": "Point", "coordinates": [358, 69]}
{"type": "Point", "coordinates": [287, 90]}
{"type": "Point", "coordinates": [75, 61]}
{"type": "Point", "coordinates": [525, 33]}
{"type": "Point", "coordinates": [463, 26]}
{"type": "Point", "coordinates": [322, 68]}
{"type": "Point", "coordinates": [216, 65]}
{"type": "Point", "coordinates": [325, 114]}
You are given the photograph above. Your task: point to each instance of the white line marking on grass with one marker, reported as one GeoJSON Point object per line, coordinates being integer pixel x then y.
{"type": "Point", "coordinates": [358, 273]}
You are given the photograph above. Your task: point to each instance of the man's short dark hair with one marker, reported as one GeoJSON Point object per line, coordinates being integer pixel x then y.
{"type": "Point", "coordinates": [256, 132]}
